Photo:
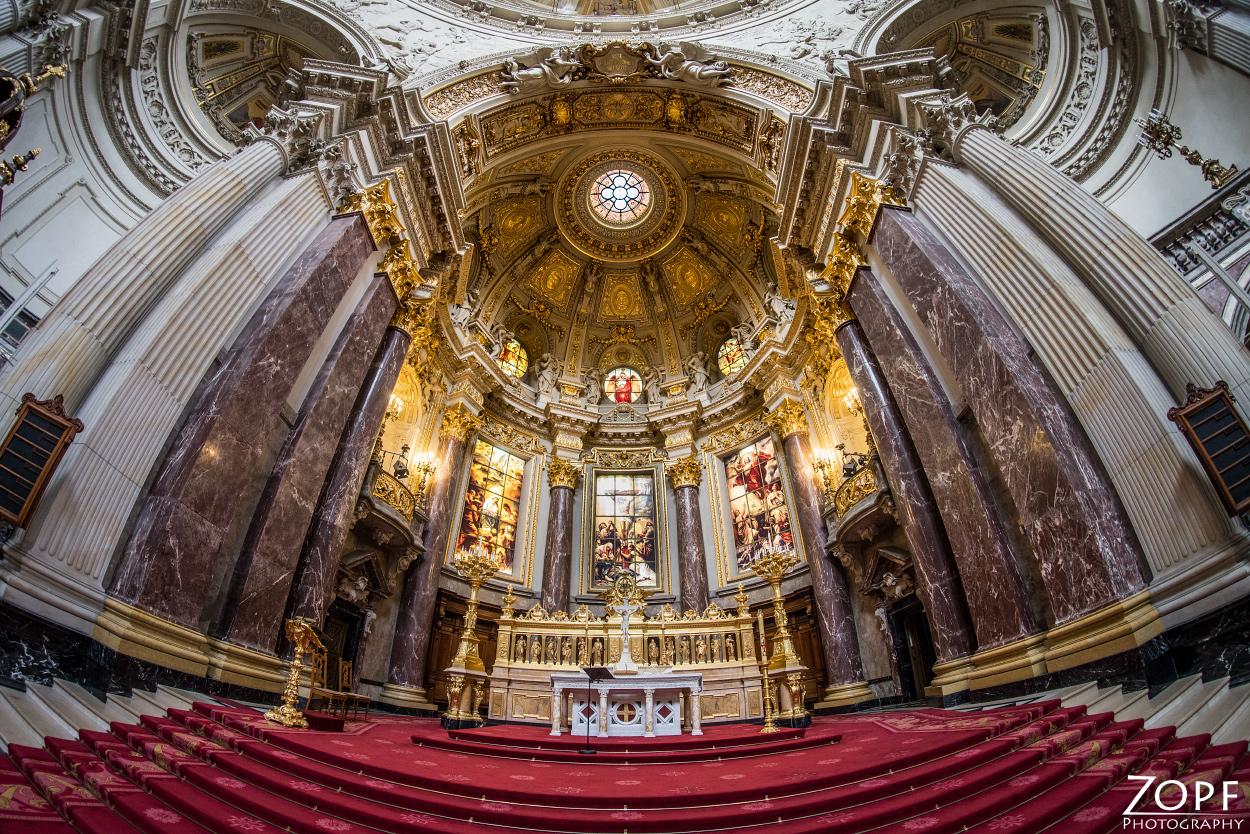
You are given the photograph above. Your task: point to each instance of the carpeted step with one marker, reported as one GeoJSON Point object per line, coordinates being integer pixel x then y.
{"type": "Point", "coordinates": [1215, 765]}
{"type": "Point", "coordinates": [23, 810]}
{"type": "Point", "coordinates": [72, 799]}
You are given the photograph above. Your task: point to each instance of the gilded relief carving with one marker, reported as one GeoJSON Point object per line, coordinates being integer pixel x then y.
{"type": "Point", "coordinates": [687, 275]}
{"type": "Point", "coordinates": [517, 221]}
{"type": "Point", "coordinates": [555, 276]}
{"type": "Point", "coordinates": [722, 216]}
{"type": "Point", "coordinates": [700, 162]}
{"type": "Point", "coordinates": [622, 298]}
{"type": "Point", "coordinates": [540, 165]}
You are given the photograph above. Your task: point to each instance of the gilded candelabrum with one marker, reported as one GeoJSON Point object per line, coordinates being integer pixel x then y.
{"type": "Point", "coordinates": [1161, 136]}
{"type": "Point", "coordinates": [423, 467]}
{"type": "Point", "coordinates": [827, 469]}
{"type": "Point", "coordinates": [770, 701]}
{"type": "Point", "coordinates": [785, 663]}
{"type": "Point", "coordinates": [300, 632]}
{"type": "Point", "coordinates": [476, 567]}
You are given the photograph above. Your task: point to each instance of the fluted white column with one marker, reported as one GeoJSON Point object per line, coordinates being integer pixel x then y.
{"type": "Point", "coordinates": [138, 398]}
{"type": "Point", "coordinates": [1118, 398]}
{"type": "Point", "coordinates": [72, 345]}
{"type": "Point", "coordinates": [1163, 315]}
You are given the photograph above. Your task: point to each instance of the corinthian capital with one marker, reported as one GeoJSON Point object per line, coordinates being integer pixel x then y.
{"type": "Point", "coordinates": [684, 472]}
{"type": "Point", "coordinates": [946, 119]}
{"type": "Point", "coordinates": [561, 473]}
{"type": "Point", "coordinates": [459, 423]}
{"type": "Point", "coordinates": [789, 418]}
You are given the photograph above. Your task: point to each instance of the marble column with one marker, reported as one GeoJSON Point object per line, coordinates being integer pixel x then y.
{"type": "Point", "coordinates": [1184, 339]}
{"type": "Point", "coordinates": [1087, 551]}
{"type": "Point", "coordinates": [684, 476]}
{"type": "Point", "coordinates": [562, 478]}
{"type": "Point", "coordinates": [411, 645]}
{"type": "Point", "coordinates": [939, 587]}
{"type": "Point", "coordinates": [313, 585]}
{"type": "Point", "coordinates": [838, 638]}
{"type": "Point", "coordinates": [72, 345]}
{"type": "Point", "coordinates": [252, 615]}
{"type": "Point", "coordinates": [200, 485]}
{"type": "Point", "coordinates": [984, 552]}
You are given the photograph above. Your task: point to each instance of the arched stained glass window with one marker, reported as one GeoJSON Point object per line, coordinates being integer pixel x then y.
{"type": "Point", "coordinates": [514, 359]}
{"type": "Point", "coordinates": [731, 357]}
{"type": "Point", "coordinates": [623, 385]}
{"type": "Point", "coordinates": [620, 197]}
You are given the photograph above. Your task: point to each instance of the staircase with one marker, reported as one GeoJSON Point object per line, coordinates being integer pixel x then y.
{"type": "Point", "coordinates": [171, 761]}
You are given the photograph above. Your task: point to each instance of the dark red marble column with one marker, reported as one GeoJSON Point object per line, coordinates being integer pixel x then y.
{"type": "Point", "coordinates": [411, 645]}
{"type": "Point", "coordinates": [939, 586]}
{"type": "Point", "coordinates": [314, 578]}
{"type": "Point", "coordinates": [1086, 548]}
{"type": "Point", "coordinates": [684, 476]}
{"type": "Point", "coordinates": [168, 564]}
{"type": "Point", "coordinates": [983, 549]}
{"type": "Point", "coordinates": [558, 556]}
{"type": "Point", "coordinates": [838, 637]}
{"type": "Point", "coordinates": [252, 614]}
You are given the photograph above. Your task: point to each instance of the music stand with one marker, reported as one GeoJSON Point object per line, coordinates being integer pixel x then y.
{"type": "Point", "coordinates": [594, 674]}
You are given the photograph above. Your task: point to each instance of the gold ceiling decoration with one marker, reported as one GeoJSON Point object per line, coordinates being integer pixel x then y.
{"type": "Point", "coordinates": [624, 334]}
{"type": "Point", "coordinates": [721, 215]}
{"type": "Point", "coordinates": [865, 200]}
{"type": "Point", "coordinates": [541, 313]}
{"type": "Point", "coordinates": [622, 297]}
{"type": "Point", "coordinates": [703, 309]}
{"type": "Point", "coordinates": [555, 276]}
{"type": "Point", "coordinates": [688, 275]}
{"type": "Point", "coordinates": [581, 227]}
{"type": "Point", "coordinates": [518, 220]}
{"type": "Point", "coordinates": [540, 164]}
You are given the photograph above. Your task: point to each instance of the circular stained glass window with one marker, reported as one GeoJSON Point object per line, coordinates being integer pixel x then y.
{"type": "Point", "coordinates": [514, 359]}
{"type": "Point", "coordinates": [623, 385]}
{"type": "Point", "coordinates": [731, 357]}
{"type": "Point", "coordinates": [620, 197]}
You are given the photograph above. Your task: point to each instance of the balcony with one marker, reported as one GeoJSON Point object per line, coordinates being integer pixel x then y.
{"type": "Point", "coordinates": [861, 507]}
{"type": "Point", "coordinates": [387, 510]}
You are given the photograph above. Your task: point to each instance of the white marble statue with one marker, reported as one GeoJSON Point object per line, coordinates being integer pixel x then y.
{"type": "Point", "coordinates": [500, 335]}
{"type": "Point", "coordinates": [554, 68]}
{"type": "Point", "coordinates": [462, 314]}
{"type": "Point", "coordinates": [691, 63]}
{"type": "Point", "coordinates": [548, 371]}
{"type": "Point", "coordinates": [778, 306]}
{"type": "Point", "coordinates": [696, 369]}
{"type": "Point", "coordinates": [651, 385]}
{"type": "Point", "coordinates": [743, 332]}
{"type": "Point", "coordinates": [594, 387]}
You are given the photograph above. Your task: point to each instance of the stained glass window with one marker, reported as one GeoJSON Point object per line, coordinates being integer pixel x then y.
{"type": "Point", "coordinates": [624, 528]}
{"type": "Point", "coordinates": [731, 356]}
{"type": "Point", "coordinates": [491, 503]}
{"type": "Point", "coordinates": [757, 506]}
{"type": "Point", "coordinates": [620, 197]}
{"type": "Point", "coordinates": [623, 385]}
{"type": "Point", "coordinates": [514, 359]}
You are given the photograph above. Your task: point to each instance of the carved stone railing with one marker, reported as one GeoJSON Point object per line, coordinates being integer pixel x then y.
{"type": "Point", "coordinates": [854, 489]}
{"type": "Point", "coordinates": [1212, 225]}
{"type": "Point", "coordinates": [391, 490]}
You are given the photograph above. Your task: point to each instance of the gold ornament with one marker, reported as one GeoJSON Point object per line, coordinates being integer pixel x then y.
{"type": "Point", "coordinates": [300, 632]}
{"type": "Point", "coordinates": [459, 423]}
{"type": "Point", "coordinates": [789, 418]}
{"type": "Point", "coordinates": [865, 200]}
{"type": "Point", "coordinates": [561, 473]}
{"type": "Point", "coordinates": [684, 472]}
{"type": "Point", "coordinates": [844, 259]}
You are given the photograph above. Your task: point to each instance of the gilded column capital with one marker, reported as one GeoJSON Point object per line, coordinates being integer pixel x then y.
{"type": "Point", "coordinates": [561, 473]}
{"type": "Point", "coordinates": [865, 200]}
{"type": "Point", "coordinates": [684, 472]}
{"type": "Point", "coordinates": [844, 259]}
{"type": "Point", "coordinates": [789, 418]}
{"type": "Point", "coordinates": [459, 423]}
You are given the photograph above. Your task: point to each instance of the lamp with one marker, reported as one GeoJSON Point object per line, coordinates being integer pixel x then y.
{"type": "Point", "coordinates": [401, 463]}
{"type": "Point", "coordinates": [424, 464]}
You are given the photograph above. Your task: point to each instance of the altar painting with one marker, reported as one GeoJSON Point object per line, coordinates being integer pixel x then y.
{"type": "Point", "coordinates": [491, 505]}
{"type": "Point", "coordinates": [757, 503]}
{"type": "Point", "coordinates": [624, 529]}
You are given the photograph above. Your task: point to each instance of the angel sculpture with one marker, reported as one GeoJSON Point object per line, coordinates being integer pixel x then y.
{"type": "Point", "coordinates": [651, 384]}
{"type": "Point", "coordinates": [594, 387]}
{"type": "Point", "coordinates": [552, 68]}
{"type": "Point", "coordinates": [696, 367]}
{"type": "Point", "coordinates": [500, 335]}
{"type": "Point", "coordinates": [691, 63]}
{"type": "Point", "coordinates": [548, 369]}
{"type": "Point", "coordinates": [743, 332]}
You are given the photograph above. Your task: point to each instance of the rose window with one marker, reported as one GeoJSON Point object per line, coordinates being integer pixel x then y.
{"type": "Point", "coordinates": [620, 197]}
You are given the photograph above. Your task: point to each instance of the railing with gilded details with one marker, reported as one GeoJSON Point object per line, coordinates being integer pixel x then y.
{"type": "Point", "coordinates": [854, 489]}
{"type": "Point", "coordinates": [391, 490]}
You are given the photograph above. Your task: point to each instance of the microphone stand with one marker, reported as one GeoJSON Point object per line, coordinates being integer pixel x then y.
{"type": "Point", "coordinates": [594, 674]}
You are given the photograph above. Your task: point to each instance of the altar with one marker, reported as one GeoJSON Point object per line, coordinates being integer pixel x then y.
{"type": "Point", "coordinates": [645, 705]}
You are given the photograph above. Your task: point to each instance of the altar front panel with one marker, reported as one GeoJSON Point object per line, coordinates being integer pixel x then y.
{"type": "Point", "coordinates": [627, 714]}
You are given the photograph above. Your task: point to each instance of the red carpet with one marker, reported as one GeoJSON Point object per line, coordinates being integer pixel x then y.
{"type": "Point", "coordinates": [225, 769]}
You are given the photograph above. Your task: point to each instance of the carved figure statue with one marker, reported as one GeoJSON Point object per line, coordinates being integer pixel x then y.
{"type": "Point", "coordinates": [696, 368]}
{"type": "Point", "coordinates": [650, 276]}
{"type": "Point", "coordinates": [536, 650]}
{"type": "Point", "coordinates": [684, 649]}
{"type": "Point", "coordinates": [552, 68]}
{"type": "Point", "coordinates": [549, 656]}
{"type": "Point", "coordinates": [594, 271]}
{"type": "Point", "coordinates": [354, 590]}
{"type": "Point", "coordinates": [743, 332]}
{"type": "Point", "coordinates": [731, 650]}
{"type": "Point", "coordinates": [691, 63]}
{"type": "Point", "coordinates": [667, 657]}
{"type": "Point", "coordinates": [700, 650]}
{"type": "Point", "coordinates": [370, 616]}
{"type": "Point", "coordinates": [594, 387]}
{"type": "Point", "coordinates": [651, 384]}
{"type": "Point", "coordinates": [653, 652]}
{"type": "Point", "coordinates": [431, 386]}
{"type": "Point", "coordinates": [500, 335]}
{"type": "Point", "coordinates": [462, 314]}
{"type": "Point", "coordinates": [597, 654]}
{"type": "Point", "coordinates": [716, 655]}
{"type": "Point", "coordinates": [778, 306]}
{"type": "Point", "coordinates": [583, 654]}
{"type": "Point", "coordinates": [519, 655]}
{"type": "Point", "coordinates": [548, 370]}
{"type": "Point", "coordinates": [566, 652]}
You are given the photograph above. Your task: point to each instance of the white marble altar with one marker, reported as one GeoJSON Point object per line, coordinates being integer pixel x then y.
{"type": "Point", "coordinates": [647, 705]}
